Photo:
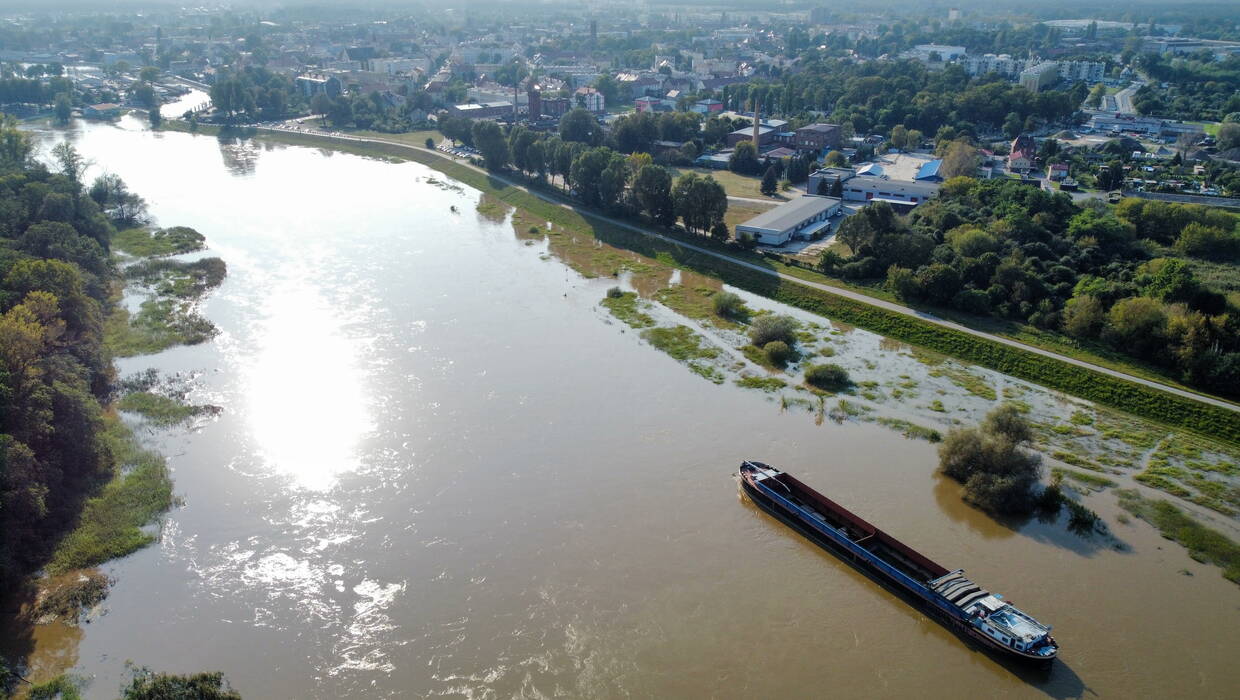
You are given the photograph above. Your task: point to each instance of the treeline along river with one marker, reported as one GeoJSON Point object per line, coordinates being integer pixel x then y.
{"type": "Point", "coordinates": [441, 468]}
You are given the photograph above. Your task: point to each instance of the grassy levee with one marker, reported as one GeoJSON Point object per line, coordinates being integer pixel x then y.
{"type": "Point", "coordinates": [1169, 409]}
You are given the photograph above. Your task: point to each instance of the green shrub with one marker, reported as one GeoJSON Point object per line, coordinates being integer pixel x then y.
{"type": "Point", "coordinates": [769, 328]}
{"type": "Point", "coordinates": [777, 352]}
{"type": "Point", "coordinates": [828, 377]}
{"type": "Point", "coordinates": [728, 305]}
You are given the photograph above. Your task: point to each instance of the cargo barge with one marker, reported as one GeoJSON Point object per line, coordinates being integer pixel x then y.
{"type": "Point", "coordinates": [960, 603]}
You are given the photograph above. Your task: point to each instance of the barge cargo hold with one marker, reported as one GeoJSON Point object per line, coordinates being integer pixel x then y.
{"type": "Point", "coordinates": [959, 602]}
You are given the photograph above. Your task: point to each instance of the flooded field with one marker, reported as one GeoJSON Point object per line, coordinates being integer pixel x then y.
{"type": "Point", "coordinates": [442, 467]}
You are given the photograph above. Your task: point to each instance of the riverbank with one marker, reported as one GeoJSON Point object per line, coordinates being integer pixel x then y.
{"type": "Point", "coordinates": [1091, 356]}
{"type": "Point", "coordinates": [117, 515]}
{"type": "Point", "coordinates": [1206, 416]}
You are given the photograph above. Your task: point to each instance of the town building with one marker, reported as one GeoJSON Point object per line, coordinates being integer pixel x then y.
{"type": "Point", "coordinates": [816, 137]}
{"type": "Point", "coordinates": [1023, 154]}
{"type": "Point", "coordinates": [103, 110]}
{"type": "Point", "coordinates": [314, 84]}
{"type": "Point", "coordinates": [803, 217]}
{"type": "Point", "coordinates": [829, 175]}
{"type": "Point", "coordinates": [1040, 76]}
{"type": "Point", "coordinates": [897, 192]}
{"type": "Point", "coordinates": [590, 99]}
{"type": "Point", "coordinates": [1002, 64]}
{"type": "Point", "coordinates": [1151, 126]}
{"type": "Point", "coordinates": [927, 53]}
{"type": "Point", "coordinates": [540, 106]}
{"type": "Point", "coordinates": [1086, 71]}
{"type": "Point", "coordinates": [707, 107]}
{"type": "Point", "coordinates": [651, 104]}
{"type": "Point", "coordinates": [482, 110]}
{"type": "Point", "coordinates": [770, 132]}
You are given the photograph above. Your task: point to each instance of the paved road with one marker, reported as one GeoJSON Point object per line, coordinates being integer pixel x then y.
{"type": "Point", "coordinates": [846, 293]}
{"type": "Point", "coordinates": [1123, 98]}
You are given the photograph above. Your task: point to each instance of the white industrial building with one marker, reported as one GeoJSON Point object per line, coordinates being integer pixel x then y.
{"type": "Point", "coordinates": [868, 189]}
{"type": "Point", "coordinates": [804, 217]}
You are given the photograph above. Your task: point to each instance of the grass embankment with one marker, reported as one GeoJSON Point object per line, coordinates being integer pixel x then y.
{"type": "Point", "coordinates": [1211, 421]}
{"type": "Point", "coordinates": [1203, 543]}
{"type": "Point", "coordinates": [110, 524]}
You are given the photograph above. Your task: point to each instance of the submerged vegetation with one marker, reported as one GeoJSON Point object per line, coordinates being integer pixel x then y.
{"type": "Point", "coordinates": [1204, 544]}
{"type": "Point", "coordinates": [146, 242]}
{"type": "Point", "coordinates": [110, 524]}
{"type": "Point", "coordinates": [159, 409]}
{"type": "Point", "coordinates": [159, 324]}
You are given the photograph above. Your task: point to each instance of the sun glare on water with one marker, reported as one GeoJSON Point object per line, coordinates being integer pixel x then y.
{"type": "Point", "coordinates": [306, 393]}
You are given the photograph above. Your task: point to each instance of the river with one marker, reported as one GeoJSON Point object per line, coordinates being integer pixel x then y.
{"type": "Point", "coordinates": [441, 469]}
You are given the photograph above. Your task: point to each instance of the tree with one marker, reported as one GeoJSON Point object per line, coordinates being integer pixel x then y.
{"type": "Point", "coordinates": [610, 89]}
{"type": "Point", "coordinates": [1209, 242]}
{"type": "Point", "coordinates": [960, 160]}
{"type": "Point", "coordinates": [837, 189]}
{"type": "Point", "coordinates": [1137, 323]}
{"type": "Point", "coordinates": [1228, 136]}
{"type": "Point", "coordinates": [320, 104]}
{"type": "Point", "coordinates": [1013, 125]}
{"type": "Point", "coordinates": [613, 183]}
{"type": "Point", "coordinates": [148, 74]}
{"type": "Point", "coordinates": [430, 143]}
{"type": "Point", "coordinates": [834, 159]}
{"type": "Point", "coordinates": [490, 141]}
{"type": "Point", "coordinates": [586, 174]}
{"type": "Point", "coordinates": [770, 182]}
{"type": "Point", "coordinates": [653, 189]}
{"type": "Point", "coordinates": [144, 96]}
{"type": "Point", "coordinates": [63, 108]}
{"type": "Point", "coordinates": [719, 231]}
{"type": "Point", "coordinates": [580, 126]}
{"type": "Point", "coordinates": [998, 476]}
{"type": "Point", "coordinates": [1084, 316]}
{"type": "Point", "coordinates": [71, 163]}
{"type": "Point", "coordinates": [699, 201]}
{"type": "Point", "coordinates": [903, 283]}
{"type": "Point", "coordinates": [744, 159]}
{"type": "Point", "coordinates": [155, 118]}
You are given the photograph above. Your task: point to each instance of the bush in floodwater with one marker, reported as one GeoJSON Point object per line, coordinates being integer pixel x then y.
{"type": "Point", "coordinates": [769, 327]}
{"type": "Point", "coordinates": [829, 377]}
{"type": "Point", "coordinates": [728, 305]}
{"type": "Point", "coordinates": [777, 352]}
{"type": "Point", "coordinates": [615, 293]}
{"type": "Point", "coordinates": [998, 475]}
{"type": "Point", "coordinates": [148, 685]}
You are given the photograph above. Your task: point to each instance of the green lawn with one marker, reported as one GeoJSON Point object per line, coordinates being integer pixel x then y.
{"type": "Point", "coordinates": [737, 185]}
{"type": "Point", "coordinates": [413, 138]}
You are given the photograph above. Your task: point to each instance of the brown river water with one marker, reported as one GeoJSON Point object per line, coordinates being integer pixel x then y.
{"type": "Point", "coordinates": [441, 469]}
